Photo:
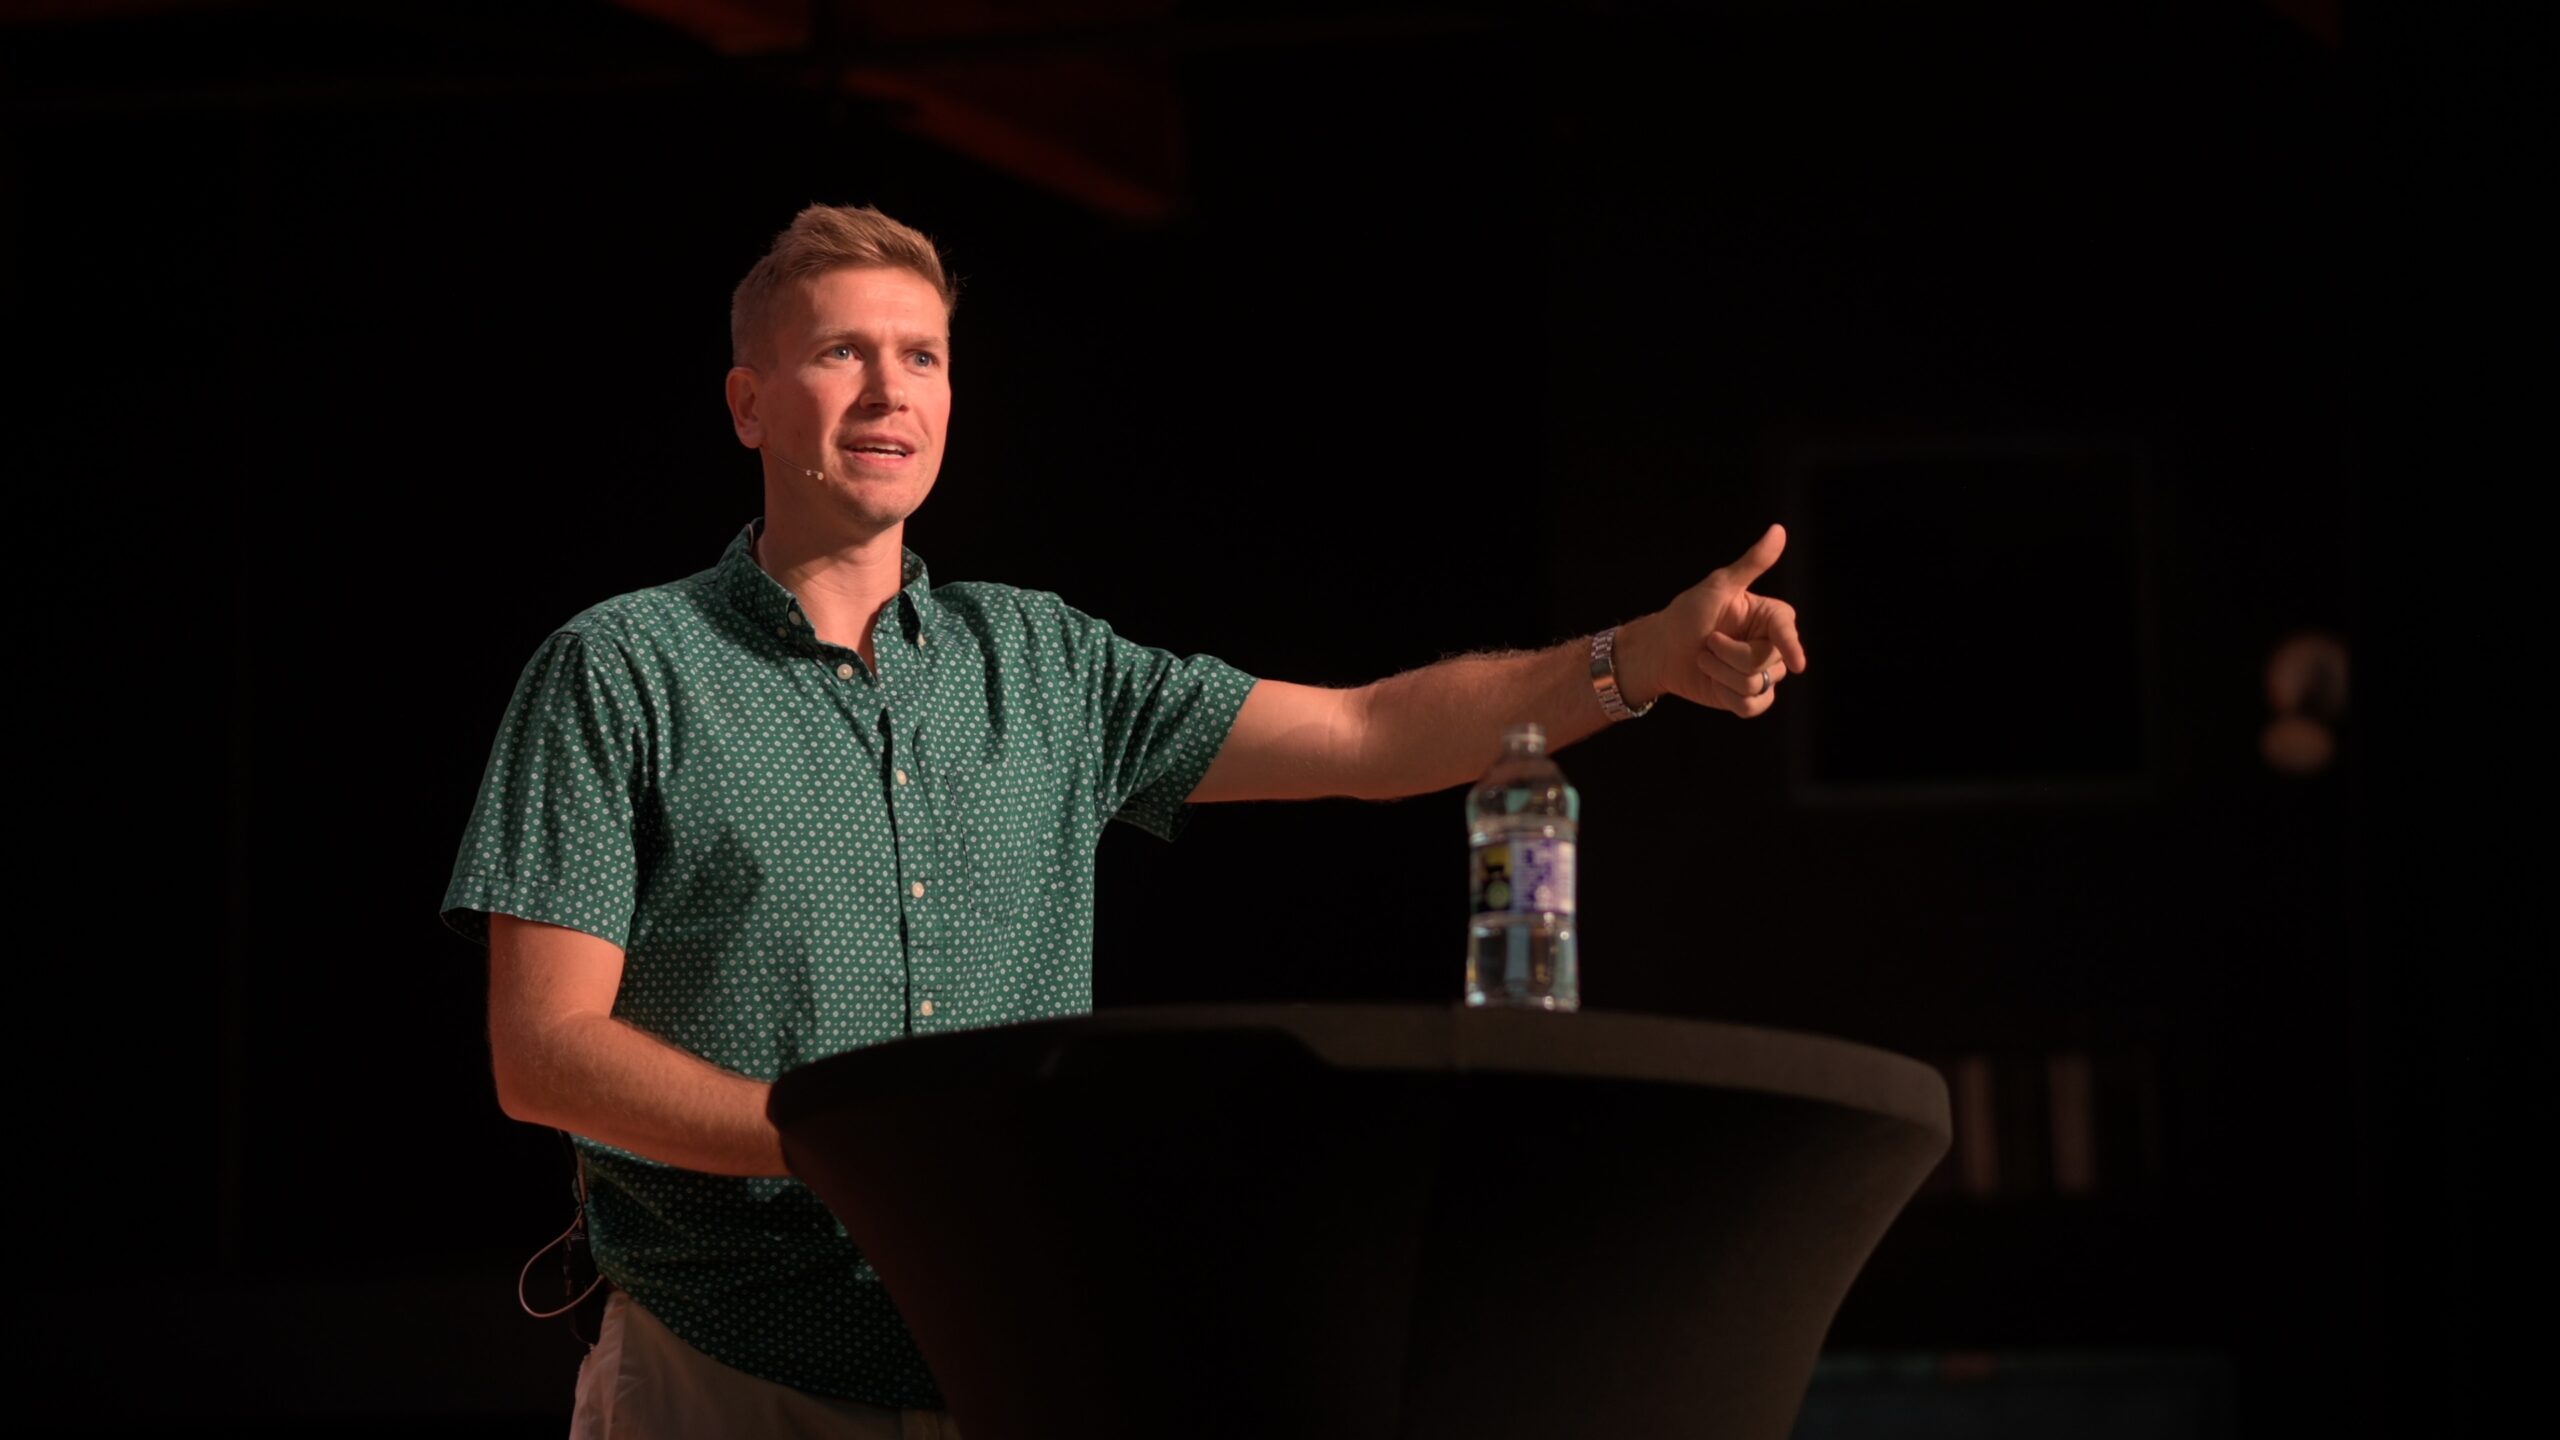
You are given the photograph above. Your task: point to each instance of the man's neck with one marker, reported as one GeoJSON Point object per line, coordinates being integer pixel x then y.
{"type": "Point", "coordinates": [843, 580]}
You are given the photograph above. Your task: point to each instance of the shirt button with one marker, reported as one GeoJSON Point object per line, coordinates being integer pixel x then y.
{"type": "Point", "coordinates": [921, 639]}
{"type": "Point", "coordinates": [844, 672]}
{"type": "Point", "coordinates": [917, 889]}
{"type": "Point", "coordinates": [902, 777]}
{"type": "Point", "coordinates": [791, 615]}
{"type": "Point", "coordinates": [778, 630]}
{"type": "Point", "coordinates": [925, 1009]}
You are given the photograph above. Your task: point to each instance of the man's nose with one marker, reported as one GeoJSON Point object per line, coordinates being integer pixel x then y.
{"type": "Point", "coordinates": [881, 390]}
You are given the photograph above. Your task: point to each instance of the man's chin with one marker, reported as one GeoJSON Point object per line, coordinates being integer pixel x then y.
{"type": "Point", "coordinates": [876, 507]}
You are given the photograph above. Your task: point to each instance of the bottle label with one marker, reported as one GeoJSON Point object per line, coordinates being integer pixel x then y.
{"type": "Point", "coordinates": [1523, 876]}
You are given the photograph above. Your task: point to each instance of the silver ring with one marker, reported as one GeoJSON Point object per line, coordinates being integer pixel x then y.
{"type": "Point", "coordinates": [1766, 682]}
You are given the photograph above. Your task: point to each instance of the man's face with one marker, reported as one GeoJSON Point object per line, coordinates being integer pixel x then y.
{"type": "Point", "coordinates": [856, 385]}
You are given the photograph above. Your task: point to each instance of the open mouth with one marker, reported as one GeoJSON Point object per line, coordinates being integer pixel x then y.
{"type": "Point", "coordinates": [879, 452]}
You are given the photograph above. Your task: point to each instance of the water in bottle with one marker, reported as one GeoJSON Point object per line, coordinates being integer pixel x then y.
{"type": "Point", "coordinates": [1523, 822]}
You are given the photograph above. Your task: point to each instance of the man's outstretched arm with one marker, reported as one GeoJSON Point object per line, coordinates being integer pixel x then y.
{"type": "Point", "coordinates": [1716, 644]}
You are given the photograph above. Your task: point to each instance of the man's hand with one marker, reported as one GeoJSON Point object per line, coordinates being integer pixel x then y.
{"type": "Point", "coordinates": [1719, 644]}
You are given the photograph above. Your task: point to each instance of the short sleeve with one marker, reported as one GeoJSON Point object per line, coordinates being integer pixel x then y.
{"type": "Point", "coordinates": [551, 836]}
{"type": "Point", "coordinates": [1161, 719]}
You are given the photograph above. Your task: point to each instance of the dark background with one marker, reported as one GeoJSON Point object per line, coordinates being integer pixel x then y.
{"type": "Point", "coordinates": [2088, 351]}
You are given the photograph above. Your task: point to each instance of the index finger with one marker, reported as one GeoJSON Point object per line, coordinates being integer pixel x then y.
{"type": "Point", "coordinates": [1781, 631]}
{"type": "Point", "coordinates": [1775, 623]}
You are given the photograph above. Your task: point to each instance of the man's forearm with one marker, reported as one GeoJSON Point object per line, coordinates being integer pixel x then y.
{"type": "Point", "coordinates": [608, 1080]}
{"type": "Point", "coordinates": [1441, 725]}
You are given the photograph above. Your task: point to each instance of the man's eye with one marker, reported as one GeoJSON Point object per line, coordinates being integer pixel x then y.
{"type": "Point", "coordinates": [841, 352]}
{"type": "Point", "coordinates": [927, 359]}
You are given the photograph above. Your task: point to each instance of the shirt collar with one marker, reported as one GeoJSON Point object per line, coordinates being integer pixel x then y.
{"type": "Point", "coordinates": [768, 602]}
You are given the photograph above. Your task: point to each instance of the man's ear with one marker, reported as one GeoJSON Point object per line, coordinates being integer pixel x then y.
{"type": "Point", "coordinates": [743, 416]}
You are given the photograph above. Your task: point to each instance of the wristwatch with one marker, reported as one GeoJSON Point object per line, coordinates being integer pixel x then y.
{"type": "Point", "coordinates": [1604, 677]}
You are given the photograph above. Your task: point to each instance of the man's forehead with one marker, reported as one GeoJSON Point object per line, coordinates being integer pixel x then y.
{"type": "Point", "coordinates": [869, 296]}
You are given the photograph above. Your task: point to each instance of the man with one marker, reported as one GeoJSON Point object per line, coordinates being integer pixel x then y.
{"type": "Point", "coordinates": [806, 801]}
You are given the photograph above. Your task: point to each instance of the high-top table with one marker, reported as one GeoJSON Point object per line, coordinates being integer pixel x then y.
{"type": "Point", "coordinates": [1356, 1221]}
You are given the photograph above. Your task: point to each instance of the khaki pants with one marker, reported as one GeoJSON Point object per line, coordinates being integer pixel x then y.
{"type": "Point", "coordinates": [640, 1382]}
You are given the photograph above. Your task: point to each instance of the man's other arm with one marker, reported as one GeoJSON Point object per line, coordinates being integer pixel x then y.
{"type": "Point", "coordinates": [1716, 645]}
{"type": "Point", "coordinates": [563, 1060]}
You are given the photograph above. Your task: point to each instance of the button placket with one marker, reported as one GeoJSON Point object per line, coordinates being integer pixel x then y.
{"type": "Point", "coordinates": [912, 835]}
{"type": "Point", "coordinates": [906, 683]}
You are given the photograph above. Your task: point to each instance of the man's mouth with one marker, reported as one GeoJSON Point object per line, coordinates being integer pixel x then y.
{"type": "Point", "coordinates": [877, 451]}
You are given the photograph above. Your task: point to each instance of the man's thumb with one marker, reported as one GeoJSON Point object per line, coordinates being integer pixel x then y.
{"type": "Point", "coordinates": [1755, 562]}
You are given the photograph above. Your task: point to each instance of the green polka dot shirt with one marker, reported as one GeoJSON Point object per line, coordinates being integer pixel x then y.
{"type": "Point", "coordinates": [799, 857]}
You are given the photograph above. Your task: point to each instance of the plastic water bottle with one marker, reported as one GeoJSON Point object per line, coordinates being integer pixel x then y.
{"type": "Point", "coordinates": [1523, 826]}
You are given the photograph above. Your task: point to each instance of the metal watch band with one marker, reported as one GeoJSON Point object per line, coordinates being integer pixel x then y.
{"type": "Point", "coordinates": [1604, 677]}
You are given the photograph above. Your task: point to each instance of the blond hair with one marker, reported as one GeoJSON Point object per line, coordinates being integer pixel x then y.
{"type": "Point", "coordinates": [819, 239]}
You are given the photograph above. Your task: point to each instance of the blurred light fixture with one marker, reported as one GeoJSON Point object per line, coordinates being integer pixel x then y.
{"type": "Point", "coordinates": [2307, 689]}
